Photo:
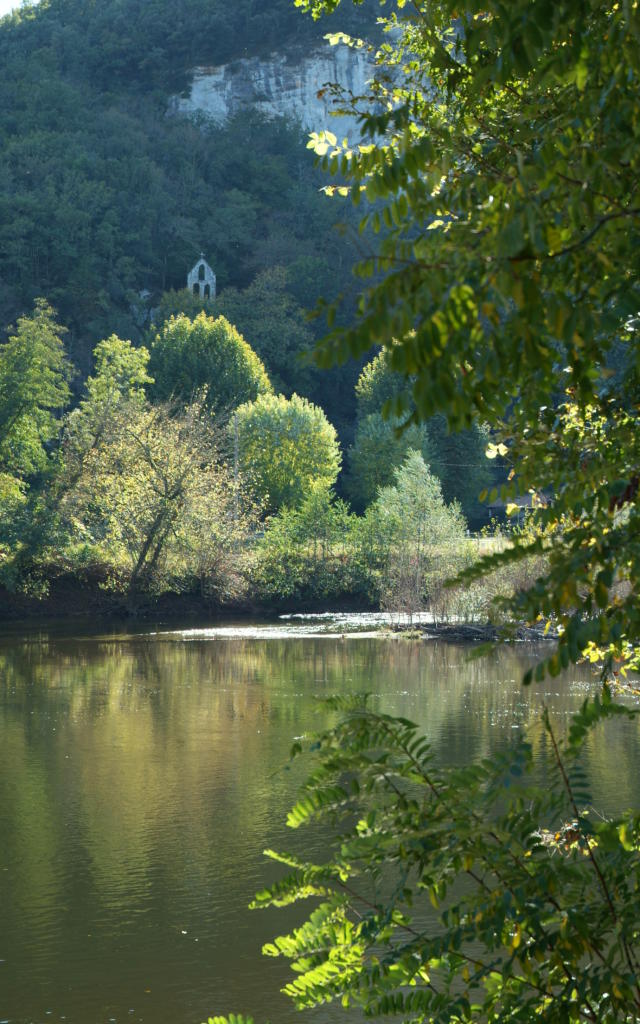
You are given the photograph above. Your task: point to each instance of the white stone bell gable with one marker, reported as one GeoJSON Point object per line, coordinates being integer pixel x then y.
{"type": "Point", "coordinates": [201, 280]}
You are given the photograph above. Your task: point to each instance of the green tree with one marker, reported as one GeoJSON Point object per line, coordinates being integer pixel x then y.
{"type": "Point", "coordinates": [379, 447]}
{"type": "Point", "coordinates": [285, 445]}
{"type": "Point", "coordinates": [421, 539]}
{"type": "Point", "coordinates": [507, 270]}
{"type": "Point", "coordinates": [120, 377]}
{"type": "Point", "coordinates": [457, 459]}
{"type": "Point", "coordinates": [188, 356]}
{"type": "Point", "coordinates": [34, 374]}
{"type": "Point", "coordinates": [153, 505]}
{"type": "Point", "coordinates": [119, 380]}
{"type": "Point", "coordinates": [378, 385]}
{"type": "Point", "coordinates": [307, 552]}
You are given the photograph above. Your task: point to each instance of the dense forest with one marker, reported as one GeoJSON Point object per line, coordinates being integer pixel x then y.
{"type": "Point", "coordinates": [106, 201]}
{"type": "Point", "coordinates": [103, 195]}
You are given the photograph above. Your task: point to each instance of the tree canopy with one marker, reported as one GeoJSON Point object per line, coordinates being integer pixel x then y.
{"type": "Point", "coordinates": [120, 373]}
{"type": "Point", "coordinates": [154, 45]}
{"type": "Point", "coordinates": [206, 354]}
{"type": "Point", "coordinates": [285, 446]}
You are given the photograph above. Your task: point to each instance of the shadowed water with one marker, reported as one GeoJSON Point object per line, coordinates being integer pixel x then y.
{"type": "Point", "coordinates": [141, 776]}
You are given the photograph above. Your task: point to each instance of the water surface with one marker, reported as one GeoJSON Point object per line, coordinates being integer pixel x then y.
{"type": "Point", "coordinates": [142, 775]}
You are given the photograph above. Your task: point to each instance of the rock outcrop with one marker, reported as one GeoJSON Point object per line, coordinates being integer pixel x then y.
{"type": "Point", "coordinates": [281, 85]}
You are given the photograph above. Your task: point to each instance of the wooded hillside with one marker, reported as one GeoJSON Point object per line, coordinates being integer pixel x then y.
{"type": "Point", "coordinates": [102, 195]}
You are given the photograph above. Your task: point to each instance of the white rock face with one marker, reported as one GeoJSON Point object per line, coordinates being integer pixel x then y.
{"type": "Point", "coordinates": [281, 86]}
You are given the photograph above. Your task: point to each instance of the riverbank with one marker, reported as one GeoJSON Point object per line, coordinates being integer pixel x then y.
{"type": "Point", "coordinates": [65, 597]}
{"type": "Point", "coordinates": [68, 598]}
{"type": "Point", "coordinates": [72, 601]}
{"type": "Point", "coordinates": [475, 632]}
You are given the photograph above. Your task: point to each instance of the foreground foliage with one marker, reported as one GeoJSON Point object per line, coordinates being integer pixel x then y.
{"type": "Point", "coordinates": [503, 166]}
{"type": "Point", "coordinates": [462, 894]}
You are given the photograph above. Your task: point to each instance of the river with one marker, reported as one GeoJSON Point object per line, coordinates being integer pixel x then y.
{"type": "Point", "coordinates": [142, 774]}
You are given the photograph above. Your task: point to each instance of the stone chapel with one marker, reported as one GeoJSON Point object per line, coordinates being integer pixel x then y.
{"type": "Point", "coordinates": [201, 280]}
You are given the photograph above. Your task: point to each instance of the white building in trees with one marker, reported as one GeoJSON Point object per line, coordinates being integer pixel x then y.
{"type": "Point", "coordinates": [201, 280]}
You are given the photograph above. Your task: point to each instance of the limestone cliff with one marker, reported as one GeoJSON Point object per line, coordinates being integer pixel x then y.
{"type": "Point", "coordinates": [281, 85]}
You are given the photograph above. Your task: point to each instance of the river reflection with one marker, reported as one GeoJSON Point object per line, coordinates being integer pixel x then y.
{"type": "Point", "coordinates": [141, 777]}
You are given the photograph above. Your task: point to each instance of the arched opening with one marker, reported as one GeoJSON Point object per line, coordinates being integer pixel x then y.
{"type": "Point", "coordinates": [201, 272]}
{"type": "Point", "coordinates": [207, 291]}
{"type": "Point", "coordinates": [196, 289]}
